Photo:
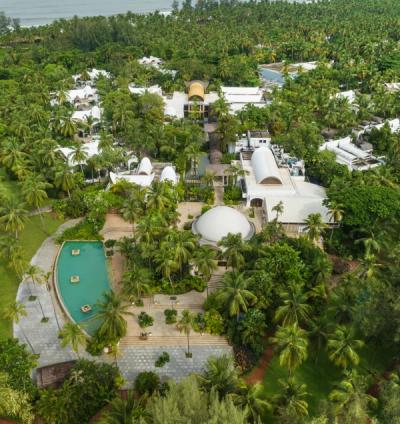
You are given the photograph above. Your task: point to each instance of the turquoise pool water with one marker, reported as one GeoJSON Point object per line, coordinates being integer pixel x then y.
{"type": "Point", "coordinates": [91, 267]}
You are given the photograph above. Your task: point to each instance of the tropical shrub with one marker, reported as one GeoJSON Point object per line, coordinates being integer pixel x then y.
{"type": "Point", "coordinates": [110, 243]}
{"type": "Point", "coordinates": [213, 322]}
{"type": "Point", "coordinates": [95, 346]}
{"type": "Point", "coordinates": [18, 362]}
{"type": "Point", "coordinates": [145, 320]}
{"type": "Point", "coordinates": [162, 360]}
{"type": "Point", "coordinates": [147, 382]}
{"type": "Point", "coordinates": [88, 388]}
{"type": "Point", "coordinates": [82, 231]}
{"type": "Point", "coordinates": [170, 316]}
{"type": "Point", "coordinates": [232, 194]}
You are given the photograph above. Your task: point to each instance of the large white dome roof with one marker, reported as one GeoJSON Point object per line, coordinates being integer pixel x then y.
{"type": "Point", "coordinates": [219, 221]}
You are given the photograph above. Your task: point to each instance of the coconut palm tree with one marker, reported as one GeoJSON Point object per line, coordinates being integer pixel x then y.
{"type": "Point", "coordinates": [336, 211]}
{"type": "Point", "coordinates": [67, 126]}
{"type": "Point", "coordinates": [64, 179]}
{"type": "Point", "coordinates": [350, 400]}
{"type": "Point", "coordinates": [251, 397]}
{"type": "Point", "coordinates": [13, 216]}
{"type": "Point", "coordinates": [291, 401]}
{"type": "Point", "coordinates": [234, 294]}
{"type": "Point", "coordinates": [294, 309]}
{"type": "Point", "coordinates": [79, 156]}
{"type": "Point", "coordinates": [166, 263]}
{"type": "Point", "coordinates": [14, 312]}
{"type": "Point", "coordinates": [314, 227]}
{"type": "Point", "coordinates": [33, 273]}
{"type": "Point", "coordinates": [220, 375]}
{"type": "Point", "coordinates": [34, 192]}
{"type": "Point", "coordinates": [136, 283]}
{"type": "Point", "coordinates": [236, 171]}
{"type": "Point", "coordinates": [233, 246]}
{"type": "Point", "coordinates": [185, 325]}
{"type": "Point", "coordinates": [292, 345]}
{"type": "Point", "coordinates": [134, 206]}
{"type": "Point", "coordinates": [72, 334]}
{"type": "Point", "coordinates": [111, 313]}
{"type": "Point", "coordinates": [204, 259]}
{"type": "Point", "coordinates": [125, 411]}
{"type": "Point", "coordinates": [159, 196]}
{"type": "Point", "coordinates": [183, 244]}
{"type": "Point", "coordinates": [46, 279]}
{"type": "Point", "coordinates": [342, 347]}
{"type": "Point", "coordinates": [278, 209]}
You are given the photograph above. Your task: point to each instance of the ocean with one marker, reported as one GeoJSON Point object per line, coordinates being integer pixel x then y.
{"type": "Point", "coordinates": [41, 12]}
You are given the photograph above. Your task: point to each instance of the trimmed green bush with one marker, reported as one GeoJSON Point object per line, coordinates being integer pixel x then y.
{"type": "Point", "coordinates": [170, 316]}
{"type": "Point", "coordinates": [145, 320]}
{"type": "Point", "coordinates": [162, 360]}
{"type": "Point", "coordinates": [147, 382]}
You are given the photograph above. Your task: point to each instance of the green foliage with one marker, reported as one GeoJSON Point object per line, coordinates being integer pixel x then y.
{"type": "Point", "coordinates": [199, 193]}
{"type": "Point", "coordinates": [170, 316]}
{"type": "Point", "coordinates": [162, 360]}
{"type": "Point", "coordinates": [186, 402]}
{"type": "Point", "coordinates": [96, 383]}
{"type": "Point", "coordinates": [18, 362]}
{"type": "Point", "coordinates": [232, 195]}
{"type": "Point", "coordinates": [147, 382]}
{"type": "Point", "coordinates": [145, 320]}
{"type": "Point", "coordinates": [95, 345]}
{"type": "Point", "coordinates": [364, 204]}
{"type": "Point", "coordinates": [213, 322]}
{"type": "Point", "coordinates": [82, 231]}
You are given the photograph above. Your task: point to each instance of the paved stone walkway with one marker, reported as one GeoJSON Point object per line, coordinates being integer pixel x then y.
{"type": "Point", "coordinates": [133, 359]}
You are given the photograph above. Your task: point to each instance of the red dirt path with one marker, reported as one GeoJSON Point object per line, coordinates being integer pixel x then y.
{"type": "Point", "coordinates": [257, 375]}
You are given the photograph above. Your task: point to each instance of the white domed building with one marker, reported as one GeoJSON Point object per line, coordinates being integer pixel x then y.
{"type": "Point", "coordinates": [218, 222]}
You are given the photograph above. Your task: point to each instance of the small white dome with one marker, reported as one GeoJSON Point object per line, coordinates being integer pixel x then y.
{"type": "Point", "coordinates": [218, 222]}
{"type": "Point", "coordinates": [145, 167]}
{"type": "Point", "coordinates": [168, 174]}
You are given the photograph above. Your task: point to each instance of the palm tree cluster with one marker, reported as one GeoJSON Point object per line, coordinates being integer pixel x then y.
{"type": "Point", "coordinates": [158, 250]}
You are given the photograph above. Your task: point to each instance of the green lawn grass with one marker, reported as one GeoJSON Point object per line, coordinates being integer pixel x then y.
{"type": "Point", "coordinates": [31, 239]}
{"type": "Point", "coordinates": [320, 374]}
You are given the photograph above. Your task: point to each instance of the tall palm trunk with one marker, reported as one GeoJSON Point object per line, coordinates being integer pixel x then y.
{"type": "Point", "coordinates": [26, 339]}
{"type": "Point", "coordinates": [54, 309]}
{"type": "Point", "coordinates": [188, 344]}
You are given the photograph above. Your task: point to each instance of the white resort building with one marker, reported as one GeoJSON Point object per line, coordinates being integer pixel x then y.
{"type": "Point", "coordinates": [91, 149]}
{"type": "Point", "coordinates": [347, 153]}
{"type": "Point", "coordinates": [87, 94]}
{"type": "Point", "coordinates": [273, 177]}
{"type": "Point", "coordinates": [146, 173]}
{"type": "Point", "coordinates": [196, 100]}
{"type": "Point", "coordinates": [82, 115]}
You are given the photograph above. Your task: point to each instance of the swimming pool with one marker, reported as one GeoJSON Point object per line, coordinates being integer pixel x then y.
{"type": "Point", "coordinates": [91, 267]}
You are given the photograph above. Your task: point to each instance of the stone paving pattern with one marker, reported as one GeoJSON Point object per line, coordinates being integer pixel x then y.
{"type": "Point", "coordinates": [132, 360]}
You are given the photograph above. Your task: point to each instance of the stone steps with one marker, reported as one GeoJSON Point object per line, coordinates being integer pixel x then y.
{"type": "Point", "coordinates": [197, 340]}
{"type": "Point", "coordinates": [178, 306]}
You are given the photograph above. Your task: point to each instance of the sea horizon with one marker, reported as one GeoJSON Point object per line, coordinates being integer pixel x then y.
{"type": "Point", "coordinates": [44, 12]}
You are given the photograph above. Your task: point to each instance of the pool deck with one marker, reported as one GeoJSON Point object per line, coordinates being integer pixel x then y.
{"type": "Point", "coordinates": [135, 357]}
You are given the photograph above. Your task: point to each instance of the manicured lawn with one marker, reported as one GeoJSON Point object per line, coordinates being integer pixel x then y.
{"type": "Point", "coordinates": [31, 239]}
{"type": "Point", "coordinates": [320, 375]}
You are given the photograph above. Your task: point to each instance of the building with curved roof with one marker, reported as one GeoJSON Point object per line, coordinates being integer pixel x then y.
{"type": "Point", "coordinates": [220, 221]}
{"type": "Point", "coordinates": [145, 167]}
{"type": "Point", "coordinates": [169, 174]}
{"type": "Point", "coordinates": [265, 168]}
{"type": "Point", "coordinates": [196, 90]}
